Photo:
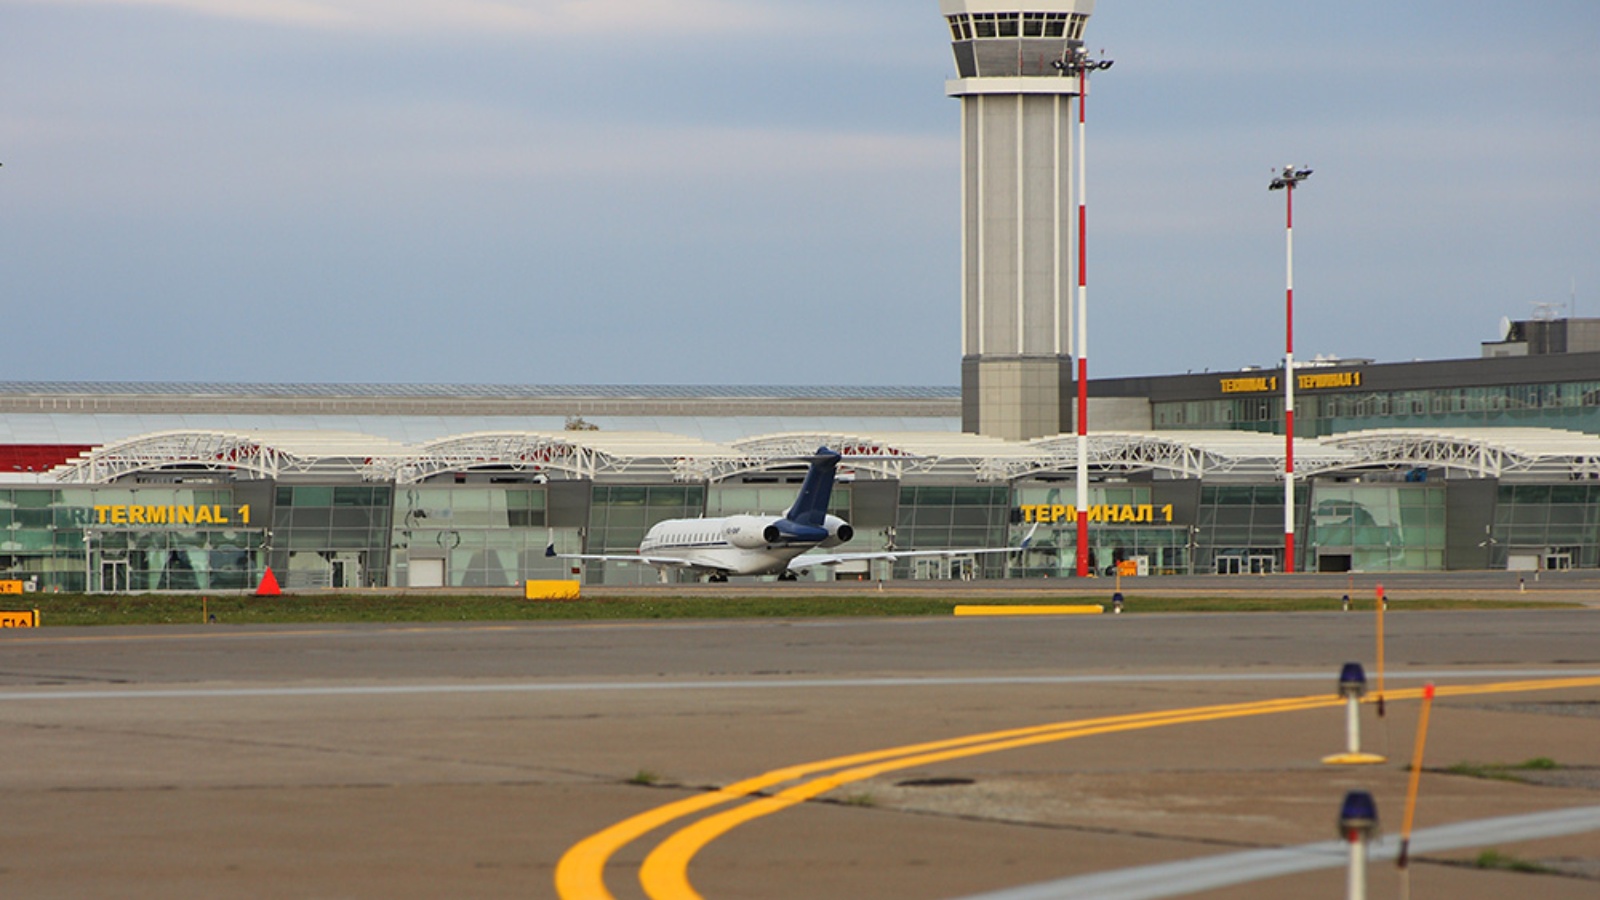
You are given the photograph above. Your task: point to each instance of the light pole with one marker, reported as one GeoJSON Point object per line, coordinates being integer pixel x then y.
{"type": "Point", "coordinates": [1287, 181]}
{"type": "Point", "coordinates": [88, 561]}
{"type": "Point", "coordinates": [1076, 62]}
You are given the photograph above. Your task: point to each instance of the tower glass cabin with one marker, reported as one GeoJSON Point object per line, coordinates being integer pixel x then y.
{"type": "Point", "coordinates": [1018, 211]}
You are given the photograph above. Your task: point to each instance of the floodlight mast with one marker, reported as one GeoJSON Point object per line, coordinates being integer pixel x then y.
{"type": "Point", "coordinates": [1287, 181]}
{"type": "Point", "coordinates": [1076, 62]}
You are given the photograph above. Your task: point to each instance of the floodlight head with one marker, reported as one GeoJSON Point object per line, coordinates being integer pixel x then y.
{"type": "Point", "coordinates": [1075, 60]}
{"type": "Point", "coordinates": [1290, 178]}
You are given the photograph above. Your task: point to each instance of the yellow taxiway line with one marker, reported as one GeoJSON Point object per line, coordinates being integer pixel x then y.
{"type": "Point", "coordinates": [580, 875]}
{"type": "Point", "coordinates": [979, 609]}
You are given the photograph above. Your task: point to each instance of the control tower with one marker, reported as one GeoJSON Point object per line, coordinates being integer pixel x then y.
{"type": "Point", "coordinates": [1018, 216]}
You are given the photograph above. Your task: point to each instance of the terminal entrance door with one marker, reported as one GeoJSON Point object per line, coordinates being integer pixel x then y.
{"type": "Point", "coordinates": [1261, 565]}
{"type": "Point", "coordinates": [426, 573]}
{"type": "Point", "coordinates": [346, 573]}
{"type": "Point", "coordinates": [1333, 562]}
{"type": "Point", "coordinates": [945, 568]}
{"type": "Point", "coordinates": [1230, 565]}
{"type": "Point", "coordinates": [113, 575]}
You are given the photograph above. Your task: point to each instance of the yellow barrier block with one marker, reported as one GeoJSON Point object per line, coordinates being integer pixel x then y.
{"type": "Point", "coordinates": [550, 590]}
{"type": "Point", "coordinates": [1088, 609]}
{"type": "Point", "coordinates": [27, 618]}
{"type": "Point", "coordinates": [10, 586]}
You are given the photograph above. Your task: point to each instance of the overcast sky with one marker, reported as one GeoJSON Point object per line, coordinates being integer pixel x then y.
{"type": "Point", "coordinates": [758, 191]}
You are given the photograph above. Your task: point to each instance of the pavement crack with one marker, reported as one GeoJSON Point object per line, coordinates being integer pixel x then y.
{"type": "Point", "coordinates": [231, 741]}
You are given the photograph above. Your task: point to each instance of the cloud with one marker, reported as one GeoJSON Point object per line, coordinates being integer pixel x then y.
{"type": "Point", "coordinates": [637, 19]}
{"type": "Point", "coordinates": [679, 153]}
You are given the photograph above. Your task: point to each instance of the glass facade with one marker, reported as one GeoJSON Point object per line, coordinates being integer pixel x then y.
{"type": "Point", "coordinates": [1239, 528]}
{"type": "Point", "coordinates": [161, 538]}
{"type": "Point", "coordinates": [619, 515]}
{"type": "Point", "coordinates": [331, 535]}
{"type": "Point", "coordinates": [1126, 525]}
{"type": "Point", "coordinates": [475, 536]}
{"type": "Point", "coordinates": [130, 539]}
{"type": "Point", "coordinates": [937, 516]}
{"type": "Point", "coordinates": [1572, 405]}
{"type": "Point", "coordinates": [1376, 528]}
{"type": "Point", "coordinates": [763, 499]}
{"type": "Point", "coordinates": [1558, 525]}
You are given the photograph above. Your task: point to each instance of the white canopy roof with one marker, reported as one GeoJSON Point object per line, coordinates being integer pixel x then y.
{"type": "Point", "coordinates": [1489, 452]}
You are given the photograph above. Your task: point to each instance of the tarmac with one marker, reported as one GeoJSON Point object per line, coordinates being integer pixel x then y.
{"type": "Point", "coordinates": [469, 759]}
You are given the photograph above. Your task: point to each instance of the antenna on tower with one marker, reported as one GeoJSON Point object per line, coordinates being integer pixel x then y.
{"type": "Point", "coordinates": [1546, 312]}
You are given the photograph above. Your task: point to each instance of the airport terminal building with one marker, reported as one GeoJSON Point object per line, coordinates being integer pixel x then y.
{"type": "Point", "coordinates": [1490, 462]}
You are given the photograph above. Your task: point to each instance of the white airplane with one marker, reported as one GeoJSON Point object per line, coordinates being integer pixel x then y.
{"type": "Point", "coordinates": [765, 545]}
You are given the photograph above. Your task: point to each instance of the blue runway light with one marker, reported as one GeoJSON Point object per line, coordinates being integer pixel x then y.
{"type": "Point", "coordinates": [1358, 816]}
{"type": "Point", "coordinates": [1352, 680]}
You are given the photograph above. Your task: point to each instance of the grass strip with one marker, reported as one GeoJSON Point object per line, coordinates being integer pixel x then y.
{"type": "Point", "coordinates": [312, 608]}
{"type": "Point", "coordinates": [1503, 771]}
{"type": "Point", "coordinates": [1505, 862]}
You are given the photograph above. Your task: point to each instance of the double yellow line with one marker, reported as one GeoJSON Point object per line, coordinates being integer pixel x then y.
{"type": "Point", "coordinates": [580, 875]}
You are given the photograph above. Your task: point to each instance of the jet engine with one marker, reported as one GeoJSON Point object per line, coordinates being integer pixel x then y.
{"type": "Point", "coordinates": [839, 531]}
{"type": "Point", "coordinates": [751, 532]}
{"type": "Point", "coordinates": [757, 532]}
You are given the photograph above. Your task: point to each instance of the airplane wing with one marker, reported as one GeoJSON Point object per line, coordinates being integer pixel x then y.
{"type": "Point", "coordinates": [658, 561]}
{"type": "Point", "coordinates": [810, 560]}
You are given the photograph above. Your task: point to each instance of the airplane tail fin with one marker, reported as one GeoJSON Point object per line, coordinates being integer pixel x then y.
{"type": "Point", "coordinates": [811, 507]}
{"type": "Point", "coordinates": [1027, 540]}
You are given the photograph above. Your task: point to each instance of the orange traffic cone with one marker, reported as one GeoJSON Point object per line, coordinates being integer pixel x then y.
{"type": "Point", "coordinates": [269, 585]}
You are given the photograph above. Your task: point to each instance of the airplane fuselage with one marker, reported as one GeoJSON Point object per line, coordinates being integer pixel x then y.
{"type": "Point", "coordinates": [736, 545]}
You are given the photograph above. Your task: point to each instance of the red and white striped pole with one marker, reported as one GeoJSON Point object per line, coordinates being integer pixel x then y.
{"type": "Point", "coordinates": [1288, 384]}
{"type": "Point", "coordinates": [1291, 177]}
{"type": "Point", "coordinates": [1077, 62]}
{"type": "Point", "coordinates": [1082, 490]}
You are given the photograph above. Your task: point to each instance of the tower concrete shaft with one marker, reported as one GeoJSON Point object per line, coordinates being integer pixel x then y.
{"type": "Point", "coordinates": [1019, 215]}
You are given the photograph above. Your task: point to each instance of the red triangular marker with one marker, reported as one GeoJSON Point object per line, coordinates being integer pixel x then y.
{"type": "Point", "coordinates": [269, 585]}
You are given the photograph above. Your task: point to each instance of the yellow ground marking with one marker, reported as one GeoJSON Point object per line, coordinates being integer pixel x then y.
{"type": "Point", "coordinates": [664, 875]}
{"type": "Point", "coordinates": [978, 609]}
{"type": "Point", "coordinates": [580, 873]}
